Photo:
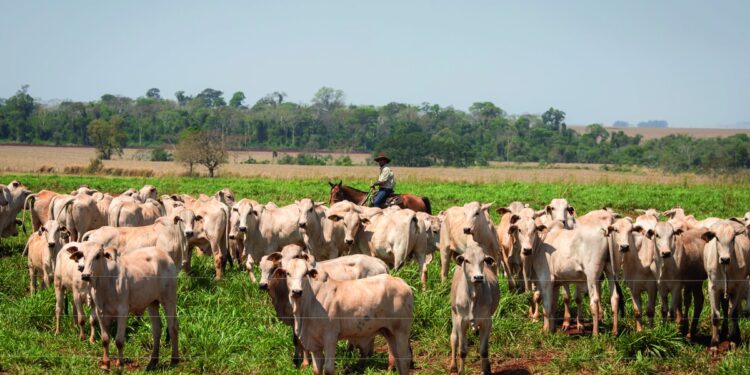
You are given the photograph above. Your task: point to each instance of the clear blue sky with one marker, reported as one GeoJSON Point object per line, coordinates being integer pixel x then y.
{"type": "Point", "coordinates": [687, 62]}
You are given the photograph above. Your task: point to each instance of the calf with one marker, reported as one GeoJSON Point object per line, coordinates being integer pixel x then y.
{"type": "Point", "coordinates": [354, 310]}
{"type": "Point", "coordinates": [143, 279]}
{"type": "Point", "coordinates": [426, 242]}
{"type": "Point", "coordinates": [43, 247]}
{"type": "Point", "coordinates": [68, 279]}
{"type": "Point", "coordinates": [463, 225]}
{"type": "Point", "coordinates": [311, 224]}
{"type": "Point", "coordinates": [15, 194]}
{"type": "Point", "coordinates": [724, 258]}
{"type": "Point", "coordinates": [474, 298]}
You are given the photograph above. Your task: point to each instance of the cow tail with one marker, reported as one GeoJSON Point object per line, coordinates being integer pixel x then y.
{"type": "Point", "coordinates": [51, 209]}
{"type": "Point", "coordinates": [86, 236]}
{"type": "Point", "coordinates": [618, 289]}
{"type": "Point", "coordinates": [427, 205]}
{"type": "Point", "coordinates": [117, 217]}
{"type": "Point", "coordinates": [28, 204]}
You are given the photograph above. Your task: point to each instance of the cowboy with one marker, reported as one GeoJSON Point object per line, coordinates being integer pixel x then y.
{"type": "Point", "coordinates": [386, 182]}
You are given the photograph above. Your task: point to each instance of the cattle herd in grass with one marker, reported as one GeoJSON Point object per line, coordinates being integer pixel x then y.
{"type": "Point", "coordinates": [326, 268]}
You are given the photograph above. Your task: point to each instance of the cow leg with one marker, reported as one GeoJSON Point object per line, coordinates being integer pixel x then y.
{"type": "Point", "coordinates": [422, 271]}
{"type": "Point", "coordinates": [329, 348]}
{"type": "Point", "coordinates": [445, 254]}
{"type": "Point", "coordinates": [297, 358]}
{"type": "Point", "coordinates": [697, 307]}
{"type": "Point", "coordinates": [104, 322]}
{"type": "Point", "coordinates": [579, 307]}
{"type": "Point", "coordinates": [713, 297]}
{"type": "Point", "coordinates": [365, 347]}
{"type": "Point", "coordinates": [153, 314]}
{"type": "Point", "coordinates": [32, 279]}
{"type": "Point", "coordinates": [249, 263]}
{"type": "Point", "coordinates": [733, 313]}
{"type": "Point", "coordinates": [594, 293]}
{"type": "Point", "coordinates": [651, 307]}
{"type": "Point", "coordinates": [566, 307]}
{"type": "Point", "coordinates": [454, 341]}
{"type": "Point", "coordinates": [92, 321]}
{"type": "Point", "coordinates": [687, 300]}
{"type": "Point", "coordinates": [676, 304]}
{"type": "Point", "coordinates": [615, 301]}
{"type": "Point", "coordinates": [59, 300]}
{"type": "Point", "coordinates": [725, 315]}
{"type": "Point", "coordinates": [635, 296]}
{"type": "Point", "coordinates": [549, 294]}
{"type": "Point", "coordinates": [317, 360]}
{"type": "Point", "coordinates": [187, 259]}
{"type": "Point", "coordinates": [402, 351]}
{"type": "Point", "coordinates": [485, 329]}
{"type": "Point", "coordinates": [79, 316]}
{"type": "Point", "coordinates": [122, 325]}
{"type": "Point", "coordinates": [218, 259]}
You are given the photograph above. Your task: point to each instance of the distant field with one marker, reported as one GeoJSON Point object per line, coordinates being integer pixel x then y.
{"type": "Point", "coordinates": [650, 133]}
{"type": "Point", "coordinates": [33, 158]}
{"type": "Point", "coordinates": [229, 327]}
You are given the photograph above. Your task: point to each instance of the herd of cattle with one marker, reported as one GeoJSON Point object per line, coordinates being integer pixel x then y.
{"type": "Point", "coordinates": [326, 268]}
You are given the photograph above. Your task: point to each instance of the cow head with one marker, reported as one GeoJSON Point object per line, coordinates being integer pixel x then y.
{"type": "Point", "coordinates": [187, 218]}
{"type": "Point", "coordinates": [298, 272]}
{"type": "Point", "coordinates": [472, 263]}
{"type": "Point", "coordinates": [307, 212]}
{"type": "Point", "coordinates": [622, 234]}
{"type": "Point", "coordinates": [146, 192]}
{"type": "Point", "coordinates": [18, 192]}
{"type": "Point", "coordinates": [561, 211]}
{"type": "Point", "coordinates": [525, 231]}
{"type": "Point", "coordinates": [92, 260]}
{"type": "Point", "coordinates": [5, 196]}
{"type": "Point", "coordinates": [54, 233]}
{"type": "Point", "coordinates": [226, 196]}
{"type": "Point", "coordinates": [249, 214]}
{"type": "Point", "coordinates": [663, 237]}
{"type": "Point", "coordinates": [268, 265]}
{"type": "Point", "coordinates": [720, 245]}
{"type": "Point", "coordinates": [475, 215]}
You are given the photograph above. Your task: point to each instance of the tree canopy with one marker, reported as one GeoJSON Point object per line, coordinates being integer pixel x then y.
{"type": "Point", "coordinates": [414, 135]}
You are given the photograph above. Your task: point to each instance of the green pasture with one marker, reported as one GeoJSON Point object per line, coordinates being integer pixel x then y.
{"type": "Point", "coordinates": [229, 326]}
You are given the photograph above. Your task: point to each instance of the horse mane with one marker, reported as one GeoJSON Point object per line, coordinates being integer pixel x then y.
{"type": "Point", "coordinates": [345, 187]}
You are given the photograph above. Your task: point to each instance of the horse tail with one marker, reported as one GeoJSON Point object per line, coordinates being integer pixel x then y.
{"type": "Point", "coordinates": [427, 205]}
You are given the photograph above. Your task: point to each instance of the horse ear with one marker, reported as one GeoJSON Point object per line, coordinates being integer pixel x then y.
{"type": "Point", "coordinates": [331, 184]}
{"type": "Point", "coordinates": [340, 182]}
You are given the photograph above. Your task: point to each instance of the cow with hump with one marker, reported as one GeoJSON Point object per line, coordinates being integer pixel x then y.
{"type": "Point", "coordinates": [326, 310]}
{"type": "Point", "coordinates": [132, 283]}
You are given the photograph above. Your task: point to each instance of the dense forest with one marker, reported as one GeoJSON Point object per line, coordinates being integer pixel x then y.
{"type": "Point", "coordinates": [412, 135]}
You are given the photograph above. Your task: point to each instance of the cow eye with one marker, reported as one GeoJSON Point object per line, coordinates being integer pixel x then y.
{"type": "Point", "coordinates": [97, 256]}
{"type": "Point", "coordinates": [288, 275]}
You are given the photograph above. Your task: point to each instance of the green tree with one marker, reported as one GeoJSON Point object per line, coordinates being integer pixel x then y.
{"type": "Point", "coordinates": [237, 100]}
{"type": "Point", "coordinates": [153, 93]}
{"type": "Point", "coordinates": [107, 136]}
{"type": "Point", "coordinates": [554, 119]}
{"type": "Point", "coordinates": [17, 112]}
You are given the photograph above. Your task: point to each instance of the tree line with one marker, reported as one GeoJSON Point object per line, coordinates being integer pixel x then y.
{"type": "Point", "coordinates": [412, 135]}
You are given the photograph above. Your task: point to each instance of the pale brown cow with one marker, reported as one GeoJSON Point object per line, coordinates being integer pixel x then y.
{"type": "Point", "coordinates": [68, 279]}
{"type": "Point", "coordinates": [43, 246]}
{"type": "Point", "coordinates": [138, 281]}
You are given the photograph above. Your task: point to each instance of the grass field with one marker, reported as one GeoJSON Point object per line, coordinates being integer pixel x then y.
{"type": "Point", "coordinates": [651, 133]}
{"type": "Point", "coordinates": [228, 326]}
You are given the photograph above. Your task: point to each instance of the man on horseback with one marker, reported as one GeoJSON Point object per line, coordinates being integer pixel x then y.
{"type": "Point", "coordinates": [386, 182]}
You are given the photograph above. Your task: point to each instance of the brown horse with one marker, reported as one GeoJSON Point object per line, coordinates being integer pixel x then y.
{"type": "Point", "coordinates": [340, 192]}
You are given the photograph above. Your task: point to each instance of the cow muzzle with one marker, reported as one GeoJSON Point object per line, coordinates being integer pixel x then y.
{"type": "Point", "coordinates": [302, 225]}
{"type": "Point", "coordinates": [724, 260]}
{"type": "Point", "coordinates": [263, 286]}
{"type": "Point", "coordinates": [85, 277]}
{"type": "Point", "coordinates": [478, 278]}
{"type": "Point", "coordinates": [296, 293]}
{"type": "Point", "coordinates": [232, 237]}
{"type": "Point", "coordinates": [467, 230]}
{"type": "Point", "coordinates": [243, 229]}
{"type": "Point", "coordinates": [666, 254]}
{"type": "Point", "coordinates": [51, 245]}
{"type": "Point", "coordinates": [189, 234]}
{"type": "Point", "coordinates": [624, 248]}
{"type": "Point", "coordinates": [349, 242]}
{"type": "Point", "coordinates": [526, 251]}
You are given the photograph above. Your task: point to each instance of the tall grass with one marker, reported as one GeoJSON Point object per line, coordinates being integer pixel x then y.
{"type": "Point", "coordinates": [229, 326]}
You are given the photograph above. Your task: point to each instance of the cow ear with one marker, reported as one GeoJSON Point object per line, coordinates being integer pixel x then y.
{"type": "Point", "coordinates": [502, 210]}
{"type": "Point", "coordinates": [630, 219]}
{"type": "Point", "coordinates": [62, 228]}
{"type": "Point", "coordinates": [608, 230]}
{"type": "Point", "coordinates": [334, 217]}
{"type": "Point", "coordinates": [548, 209]}
{"type": "Point", "coordinates": [72, 249]}
{"type": "Point", "coordinates": [542, 228]}
{"type": "Point", "coordinates": [304, 256]}
{"type": "Point", "coordinates": [486, 206]}
{"type": "Point", "coordinates": [539, 213]}
{"type": "Point", "coordinates": [512, 229]}
{"type": "Point", "coordinates": [460, 260]}
{"type": "Point", "coordinates": [279, 273]}
{"type": "Point", "coordinates": [489, 260]}
{"type": "Point", "coordinates": [638, 228]}
{"type": "Point", "coordinates": [110, 253]}
{"type": "Point", "coordinates": [650, 233]}
{"type": "Point", "coordinates": [198, 218]}
{"type": "Point", "coordinates": [365, 220]}
{"type": "Point", "coordinates": [296, 201]}
{"type": "Point", "coordinates": [275, 257]}
{"type": "Point", "coordinates": [236, 208]}
{"type": "Point", "coordinates": [514, 218]}
{"type": "Point", "coordinates": [76, 255]}
{"type": "Point", "coordinates": [313, 273]}
{"type": "Point", "coordinates": [316, 204]}
{"type": "Point", "coordinates": [177, 219]}
{"type": "Point", "coordinates": [738, 220]}
{"type": "Point", "coordinates": [669, 213]}
{"type": "Point", "coordinates": [41, 230]}
{"type": "Point", "coordinates": [678, 231]}
{"type": "Point", "coordinates": [571, 210]}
